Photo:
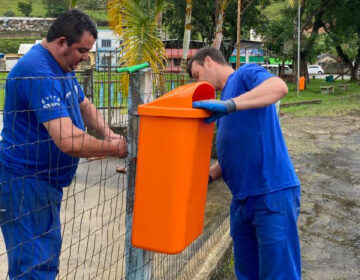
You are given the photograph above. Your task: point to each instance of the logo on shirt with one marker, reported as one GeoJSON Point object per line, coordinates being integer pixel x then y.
{"type": "Point", "coordinates": [67, 95]}
{"type": "Point", "coordinates": [50, 101]}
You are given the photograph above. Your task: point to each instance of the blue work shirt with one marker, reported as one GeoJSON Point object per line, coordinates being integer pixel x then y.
{"type": "Point", "coordinates": [39, 90]}
{"type": "Point", "coordinates": [251, 149]}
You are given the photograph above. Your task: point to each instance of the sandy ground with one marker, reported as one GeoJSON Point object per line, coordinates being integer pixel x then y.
{"type": "Point", "coordinates": [326, 155]}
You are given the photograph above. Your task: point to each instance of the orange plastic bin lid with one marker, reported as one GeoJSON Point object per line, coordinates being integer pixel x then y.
{"type": "Point", "coordinates": [178, 102]}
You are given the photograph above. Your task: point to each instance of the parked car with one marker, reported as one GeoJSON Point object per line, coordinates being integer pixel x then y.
{"type": "Point", "coordinates": [315, 69]}
{"type": "Point", "coordinates": [274, 69]}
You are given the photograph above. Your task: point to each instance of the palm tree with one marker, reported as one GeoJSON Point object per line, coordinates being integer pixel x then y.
{"type": "Point", "coordinates": [136, 22]}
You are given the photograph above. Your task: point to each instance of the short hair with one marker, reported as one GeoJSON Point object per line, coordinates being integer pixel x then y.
{"type": "Point", "coordinates": [200, 56]}
{"type": "Point", "coordinates": [71, 25]}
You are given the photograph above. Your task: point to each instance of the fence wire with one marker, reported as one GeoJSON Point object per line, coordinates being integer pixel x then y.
{"type": "Point", "coordinates": [93, 206]}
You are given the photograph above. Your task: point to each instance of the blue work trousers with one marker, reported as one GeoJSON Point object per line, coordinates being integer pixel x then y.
{"type": "Point", "coordinates": [30, 223]}
{"type": "Point", "coordinates": [265, 236]}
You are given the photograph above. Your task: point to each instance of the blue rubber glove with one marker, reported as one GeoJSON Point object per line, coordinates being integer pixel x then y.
{"type": "Point", "coordinates": [217, 107]}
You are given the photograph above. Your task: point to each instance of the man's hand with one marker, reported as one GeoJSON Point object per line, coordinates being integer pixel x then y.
{"type": "Point", "coordinates": [217, 107]}
{"type": "Point", "coordinates": [120, 140]}
{"type": "Point", "coordinates": [121, 146]}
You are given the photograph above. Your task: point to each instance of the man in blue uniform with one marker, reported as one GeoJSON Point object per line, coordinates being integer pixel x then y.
{"type": "Point", "coordinates": [45, 115]}
{"type": "Point", "coordinates": [253, 161]}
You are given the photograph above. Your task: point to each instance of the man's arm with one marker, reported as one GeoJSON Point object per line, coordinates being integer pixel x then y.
{"type": "Point", "coordinates": [265, 94]}
{"type": "Point", "coordinates": [75, 142]}
{"type": "Point", "coordinates": [94, 120]}
{"type": "Point", "coordinates": [268, 92]}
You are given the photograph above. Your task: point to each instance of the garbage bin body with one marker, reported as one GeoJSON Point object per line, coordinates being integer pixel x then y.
{"type": "Point", "coordinates": [302, 83]}
{"type": "Point", "coordinates": [329, 78]}
{"type": "Point", "coordinates": [174, 152]}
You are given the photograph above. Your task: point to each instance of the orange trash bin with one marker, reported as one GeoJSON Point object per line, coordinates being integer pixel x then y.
{"type": "Point", "coordinates": [173, 160]}
{"type": "Point", "coordinates": [302, 83]}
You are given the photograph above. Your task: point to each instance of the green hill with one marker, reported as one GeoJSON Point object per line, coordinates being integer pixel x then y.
{"type": "Point", "coordinates": [39, 9]}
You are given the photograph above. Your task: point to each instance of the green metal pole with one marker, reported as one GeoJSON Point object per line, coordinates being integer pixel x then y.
{"type": "Point", "coordinates": [132, 69]}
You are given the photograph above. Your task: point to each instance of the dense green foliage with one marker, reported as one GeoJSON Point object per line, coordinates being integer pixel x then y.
{"type": "Point", "coordinates": [9, 14]}
{"type": "Point", "coordinates": [204, 17]}
{"type": "Point", "coordinates": [25, 8]}
{"type": "Point", "coordinates": [55, 7]}
{"type": "Point", "coordinates": [12, 45]}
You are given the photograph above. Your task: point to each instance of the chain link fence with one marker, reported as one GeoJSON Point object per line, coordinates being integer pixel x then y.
{"type": "Point", "coordinates": [94, 206]}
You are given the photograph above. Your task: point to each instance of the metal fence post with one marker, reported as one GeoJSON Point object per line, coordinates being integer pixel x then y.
{"type": "Point", "coordinates": [109, 91]}
{"type": "Point", "coordinates": [138, 262]}
{"type": "Point", "coordinates": [88, 75]}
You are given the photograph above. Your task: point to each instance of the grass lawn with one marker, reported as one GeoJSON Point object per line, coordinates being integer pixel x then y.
{"type": "Point", "coordinates": [339, 102]}
{"type": "Point", "coordinates": [39, 10]}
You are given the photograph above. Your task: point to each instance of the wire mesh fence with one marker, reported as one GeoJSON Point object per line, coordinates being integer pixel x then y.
{"type": "Point", "coordinates": [93, 207]}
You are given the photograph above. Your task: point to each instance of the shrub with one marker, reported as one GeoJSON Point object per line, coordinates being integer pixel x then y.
{"type": "Point", "coordinates": [9, 14]}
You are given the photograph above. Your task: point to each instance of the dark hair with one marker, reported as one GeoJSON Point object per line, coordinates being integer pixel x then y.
{"type": "Point", "coordinates": [71, 25]}
{"type": "Point", "coordinates": [200, 56]}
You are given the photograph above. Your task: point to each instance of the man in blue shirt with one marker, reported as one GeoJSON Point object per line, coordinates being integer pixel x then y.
{"type": "Point", "coordinates": [45, 115]}
{"type": "Point", "coordinates": [253, 161]}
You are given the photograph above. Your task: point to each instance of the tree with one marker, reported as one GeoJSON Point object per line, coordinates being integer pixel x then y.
{"type": "Point", "coordinates": [277, 31]}
{"type": "Point", "coordinates": [72, 4]}
{"type": "Point", "coordinates": [56, 7]}
{"type": "Point", "coordinates": [219, 14]}
{"type": "Point", "coordinates": [204, 17]}
{"type": "Point", "coordinates": [136, 22]}
{"type": "Point", "coordinates": [343, 27]}
{"type": "Point", "coordinates": [187, 35]}
{"type": "Point", "coordinates": [25, 8]}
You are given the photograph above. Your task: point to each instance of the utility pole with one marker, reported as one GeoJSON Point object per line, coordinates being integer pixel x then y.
{"type": "Point", "coordinates": [238, 36]}
{"type": "Point", "coordinates": [298, 50]}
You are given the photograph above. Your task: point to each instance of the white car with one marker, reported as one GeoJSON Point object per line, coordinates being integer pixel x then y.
{"type": "Point", "coordinates": [315, 69]}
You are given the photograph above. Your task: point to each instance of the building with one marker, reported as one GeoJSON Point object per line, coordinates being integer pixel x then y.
{"type": "Point", "coordinates": [108, 50]}
{"type": "Point", "coordinates": [250, 52]}
{"type": "Point", "coordinates": [10, 60]}
{"type": "Point", "coordinates": [174, 53]}
{"type": "Point", "coordinates": [24, 48]}
{"type": "Point", "coordinates": [2, 62]}
{"type": "Point", "coordinates": [174, 57]}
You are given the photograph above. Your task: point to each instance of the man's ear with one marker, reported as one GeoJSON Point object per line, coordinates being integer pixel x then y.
{"type": "Point", "coordinates": [207, 61]}
{"type": "Point", "coordinates": [61, 44]}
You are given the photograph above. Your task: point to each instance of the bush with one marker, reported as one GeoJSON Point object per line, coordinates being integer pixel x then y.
{"type": "Point", "coordinates": [25, 8]}
{"type": "Point", "coordinates": [12, 45]}
{"type": "Point", "coordinates": [9, 14]}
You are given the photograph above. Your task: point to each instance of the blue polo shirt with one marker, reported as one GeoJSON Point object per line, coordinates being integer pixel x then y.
{"type": "Point", "coordinates": [251, 149]}
{"type": "Point", "coordinates": [39, 90]}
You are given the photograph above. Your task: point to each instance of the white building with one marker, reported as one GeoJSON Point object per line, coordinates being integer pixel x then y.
{"type": "Point", "coordinates": [107, 48]}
